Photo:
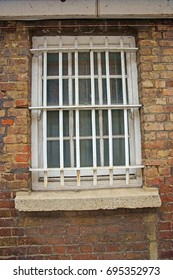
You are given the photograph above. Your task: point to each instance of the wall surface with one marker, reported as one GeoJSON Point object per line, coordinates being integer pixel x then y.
{"type": "Point", "coordinates": [114, 234]}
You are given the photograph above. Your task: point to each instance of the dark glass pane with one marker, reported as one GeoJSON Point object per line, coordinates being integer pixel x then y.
{"type": "Point", "coordinates": [53, 154]}
{"type": "Point", "coordinates": [106, 152]}
{"type": "Point", "coordinates": [85, 91]}
{"type": "Point", "coordinates": [101, 116]}
{"type": "Point", "coordinates": [97, 98]}
{"type": "Point", "coordinates": [85, 126]}
{"type": "Point", "coordinates": [52, 64]}
{"type": "Point", "coordinates": [86, 154]}
{"type": "Point", "coordinates": [84, 63]}
{"type": "Point", "coordinates": [53, 92]}
{"type": "Point", "coordinates": [105, 122]}
{"type": "Point", "coordinates": [65, 64]}
{"type": "Point", "coordinates": [98, 152]}
{"type": "Point", "coordinates": [67, 162]}
{"type": "Point", "coordinates": [65, 123]}
{"type": "Point", "coordinates": [116, 91]}
{"type": "Point", "coordinates": [103, 63]}
{"type": "Point", "coordinates": [65, 92]}
{"type": "Point", "coordinates": [73, 92]}
{"type": "Point", "coordinates": [118, 152]}
{"type": "Point", "coordinates": [52, 124]}
{"type": "Point", "coordinates": [104, 89]}
{"type": "Point", "coordinates": [73, 64]}
{"type": "Point", "coordinates": [117, 122]}
{"type": "Point", "coordinates": [115, 63]}
{"type": "Point", "coordinates": [95, 64]}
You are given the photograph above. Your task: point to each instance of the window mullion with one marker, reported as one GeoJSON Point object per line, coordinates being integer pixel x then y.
{"type": "Point", "coordinates": [61, 146]}
{"type": "Point", "coordinates": [93, 114]}
{"type": "Point", "coordinates": [100, 111]}
{"type": "Point", "coordinates": [45, 113]}
{"type": "Point", "coordinates": [125, 112]}
{"type": "Point", "coordinates": [109, 115]}
{"type": "Point", "coordinates": [71, 120]}
{"type": "Point", "coordinates": [77, 114]}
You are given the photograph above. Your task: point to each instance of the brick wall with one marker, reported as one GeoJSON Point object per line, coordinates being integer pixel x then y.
{"type": "Point", "coordinates": [116, 234]}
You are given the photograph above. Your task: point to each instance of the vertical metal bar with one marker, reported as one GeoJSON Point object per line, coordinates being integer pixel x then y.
{"type": "Point", "coordinates": [100, 89]}
{"type": "Point", "coordinates": [71, 120]}
{"type": "Point", "coordinates": [77, 113]}
{"type": "Point", "coordinates": [61, 116]}
{"type": "Point", "coordinates": [109, 113]}
{"type": "Point", "coordinates": [93, 113]}
{"type": "Point", "coordinates": [125, 112]}
{"type": "Point", "coordinates": [45, 112]}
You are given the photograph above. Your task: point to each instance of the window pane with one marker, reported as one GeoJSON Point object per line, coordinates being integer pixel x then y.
{"type": "Point", "coordinates": [86, 155]}
{"type": "Point", "coordinates": [104, 90]}
{"type": "Point", "coordinates": [95, 64]}
{"type": "Point", "coordinates": [106, 152]}
{"type": "Point", "coordinates": [116, 91]}
{"type": "Point", "coordinates": [65, 64]}
{"type": "Point", "coordinates": [115, 63]}
{"type": "Point", "coordinates": [85, 91]}
{"type": "Point", "coordinates": [65, 92]}
{"type": "Point", "coordinates": [65, 123]}
{"type": "Point", "coordinates": [52, 64]}
{"type": "Point", "coordinates": [53, 154]}
{"type": "Point", "coordinates": [97, 98]}
{"type": "Point", "coordinates": [117, 122]}
{"type": "Point", "coordinates": [52, 124]}
{"type": "Point", "coordinates": [53, 92]}
{"type": "Point", "coordinates": [67, 160]}
{"type": "Point", "coordinates": [118, 151]}
{"type": "Point", "coordinates": [101, 122]}
{"type": "Point", "coordinates": [103, 63]}
{"type": "Point", "coordinates": [98, 152]}
{"type": "Point", "coordinates": [85, 126]}
{"type": "Point", "coordinates": [84, 63]}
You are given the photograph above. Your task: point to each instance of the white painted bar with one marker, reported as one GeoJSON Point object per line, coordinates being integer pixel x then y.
{"type": "Point", "coordinates": [93, 103]}
{"type": "Point", "coordinates": [125, 113]}
{"type": "Point", "coordinates": [77, 114]}
{"type": "Point", "coordinates": [45, 104]}
{"type": "Point", "coordinates": [86, 107]}
{"type": "Point", "coordinates": [109, 113]}
{"type": "Point", "coordinates": [71, 49]}
{"type": "Point", "coordinates": [71, 120]}
{"type": "Point", "coordinates": [93, 114]}
{"type": "Point", "coordinates": [100, 89]}
{"type": "Point", "coordinates": [61, 121]}
{"type": "Point", "coordinates": [89, 168]}
{"type": "Point", "coordinates": [45, 178]}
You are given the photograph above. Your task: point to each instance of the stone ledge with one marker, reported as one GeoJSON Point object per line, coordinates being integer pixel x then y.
{"type": "Point", "coordinates": [88, 199]}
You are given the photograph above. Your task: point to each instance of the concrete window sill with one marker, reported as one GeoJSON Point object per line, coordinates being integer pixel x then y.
{"type": "Point", "coordinates": [88, 199]}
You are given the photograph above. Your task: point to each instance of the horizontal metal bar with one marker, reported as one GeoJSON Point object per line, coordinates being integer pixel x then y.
{"type": "Point", "coordinates": [86, 107]}
{"type": "Point", "coordinates": [119, 136]}
{"type": "Point", "coordinates": [72, 49]}
{"type": "Point", "coordinates": [65, 77]}
{"type": "Point", "coordinates": [88, 168]}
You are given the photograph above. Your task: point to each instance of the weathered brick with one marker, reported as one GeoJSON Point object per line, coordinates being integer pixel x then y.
{"type": "Point", "coordinates": [7, 121]}
{"type": "Point", "coordinates": [168, 91]}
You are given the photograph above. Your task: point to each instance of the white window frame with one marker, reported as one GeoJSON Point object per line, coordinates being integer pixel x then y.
{"type": "Point", "coordinates": [40, 174]}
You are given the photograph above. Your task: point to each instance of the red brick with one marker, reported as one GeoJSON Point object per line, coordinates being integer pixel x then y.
{"type": "Point", "coordinates": [21, 103]}
{"type": "Point", "coordinates": [22, 158]}
{"type": "Point", "coordinates": [7, 122]}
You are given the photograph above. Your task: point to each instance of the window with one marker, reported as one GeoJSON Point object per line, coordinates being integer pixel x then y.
{"type": "Point", "coordinates": [85, 113]}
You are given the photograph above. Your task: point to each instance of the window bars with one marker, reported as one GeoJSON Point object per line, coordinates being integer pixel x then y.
{"type": "Point", "coordinates": [85, 104]}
